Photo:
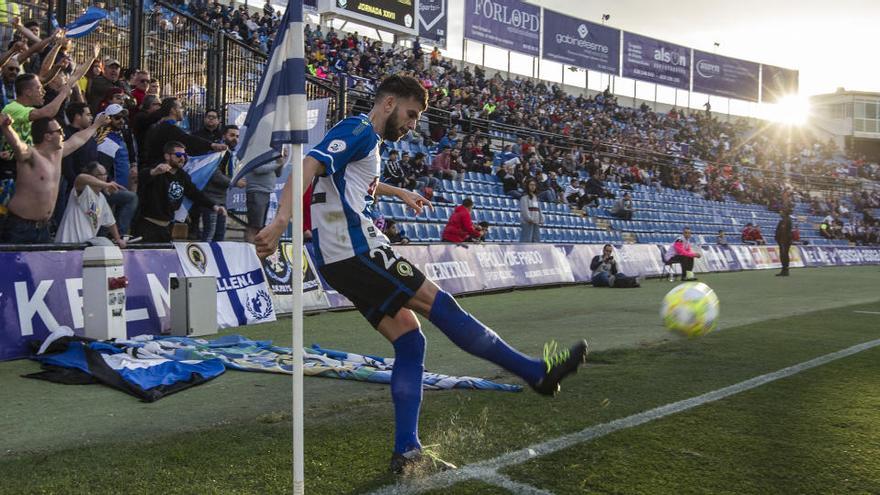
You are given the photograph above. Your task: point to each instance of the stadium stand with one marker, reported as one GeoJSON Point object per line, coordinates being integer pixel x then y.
{"type": "Point", "coordinates": [682, 167]}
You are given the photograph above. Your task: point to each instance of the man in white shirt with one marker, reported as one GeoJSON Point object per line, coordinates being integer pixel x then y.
{"type": "Point", "coordinates": [87, 209]}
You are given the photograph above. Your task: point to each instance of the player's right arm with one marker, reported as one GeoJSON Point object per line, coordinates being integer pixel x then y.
{"type": "Point", "coordinates": [267, 239]}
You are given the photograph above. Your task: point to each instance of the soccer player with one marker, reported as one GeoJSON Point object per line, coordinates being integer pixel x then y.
{"type": "Point", "coordinates": [356, 259]}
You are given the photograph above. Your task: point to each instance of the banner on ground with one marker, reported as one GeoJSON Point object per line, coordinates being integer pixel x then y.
{"type": "Point", "coordinates": [243, 295]}
{"type": "Point", "coordinates": [509, 24]}
{"type": "Point", "coordinates": [725, 76]}
{"type": "Point", "coordinates": [656, 61]}
{"type": "Point", "coordinates": [777, 83]}
{"type": "Point", "coordinates": [432, 21]}
{"type": "Point", "coordinates": [573, 41]}
{"type": "Point", "coordinates": [40, 291]}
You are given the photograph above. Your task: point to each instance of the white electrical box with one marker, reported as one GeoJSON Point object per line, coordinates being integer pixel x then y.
{"type": "Point", "coordinates": [104, 284]}
{"type": "Point", "coordinates": [193, 306]}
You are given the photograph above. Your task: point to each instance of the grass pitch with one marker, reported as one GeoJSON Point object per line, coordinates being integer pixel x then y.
{"type": "Point", "coordinates": [816, 432]}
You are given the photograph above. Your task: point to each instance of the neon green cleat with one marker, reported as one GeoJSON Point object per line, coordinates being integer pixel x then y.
{"type": "Point", "coordinates": [560, 364]}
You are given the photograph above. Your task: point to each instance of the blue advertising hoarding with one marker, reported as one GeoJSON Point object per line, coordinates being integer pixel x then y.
{"type": "Point", "coordinates": [656, 61]}
{"type": "Point", "coordinates": [432, 21]}
{"type": "Point", "coordinates": [725, 76]}
{"type": "Point", "coordinates": [508, 24]}
{"type": "Point", "coordinates": [777, 82]}
{"type": "Point", "coordinates": [572, 41]}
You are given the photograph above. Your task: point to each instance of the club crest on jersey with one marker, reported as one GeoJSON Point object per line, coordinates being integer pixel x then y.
{"type": "Point", "coordinates": [197, 257]}
{"type": "Point", "coordinates": [336, 146]}
{"type": "Point", "coordinates": [259, 306]}
{"type": "Point", "coordinates": [277, 268]}
{"type": "Point", "coordinates": [404, 269]}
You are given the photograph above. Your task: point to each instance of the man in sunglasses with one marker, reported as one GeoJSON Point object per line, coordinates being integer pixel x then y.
{"type": "Point", "coordinates": [161, 190]}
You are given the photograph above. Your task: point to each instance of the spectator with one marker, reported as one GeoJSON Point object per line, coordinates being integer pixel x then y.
{"type": "Point", "coordinates": [442, 165]}
{"type": "Point", "coordinates": [623, 209]}
{"type": "Point", "coordinates": [751, 234]}
{"type": "Point", "coordinates": [143, 120]}
{"type": "Point", "coordinates": [166, 130]}
{"type": "Point", "coordinates": [681, 252]}
{"type": "Point", "coordinates": [393, 172]}
{"type": "Point", "coordinates": [100, 85]}
{"type": "Point", "coordinates": [531, 217]}
{"type": "Point", "coordinates": [7, 81]}
{"type": "Point", "coordinates": [161, 191]}
{"type": "Point", "coordinates": [605, 273]}
{"type": "Point", "coordinates": [783, 237]}
{"type": "Point", "coordinates": [721, 239]}
{"type": "Point", "coordinates": [449, 140]}
{"type": "Point", "coordinates": [509, 184]}
{"type": "Point", "coordinates": [39, 176]}
{"type": "Point", "coordinates": [214, 224]}
{"type": "Point", "coordinates": [113, 153]}
{"type": "Point", "coordinates": [80, 117]}
{"type": "Point", "coordinates": [140, 84]}
{"type": "Point", "coordinates": [260, 185]}
{"type": "Point", "coordinates": [87, 210]}
{"type": "Point", "coordinates": [394, 233]}
{"type": "Point", "coordinates": [460, 227]}
{"type": "Point", "coordinates": [211, 129]}
{"type": "Point", "coordinates": [595, 189]}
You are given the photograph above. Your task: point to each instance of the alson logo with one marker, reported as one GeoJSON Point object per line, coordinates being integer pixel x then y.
{"type": "Point", "coordinates": [708, 69]}
{"type": "Point", "coordinates": [666, 56]}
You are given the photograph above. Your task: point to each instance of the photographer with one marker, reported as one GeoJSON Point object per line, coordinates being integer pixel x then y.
{"type": "Point", "coordinates": [605, 273]}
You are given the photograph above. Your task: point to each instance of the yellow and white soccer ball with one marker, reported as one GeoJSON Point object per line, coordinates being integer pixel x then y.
{"type": "Point", "coordinates": [690, 309]}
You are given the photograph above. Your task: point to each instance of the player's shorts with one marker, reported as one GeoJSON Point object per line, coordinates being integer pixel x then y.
{"type": "Point", "coordinates": [379, 283]}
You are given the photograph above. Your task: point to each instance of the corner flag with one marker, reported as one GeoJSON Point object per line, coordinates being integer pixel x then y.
{"type": "Point", "coordinates": [277, 114]}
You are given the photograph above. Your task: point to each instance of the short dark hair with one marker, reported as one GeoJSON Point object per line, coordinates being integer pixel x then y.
{"type": "Point", "coordinates": [148, 101]}
{"type": "Point", "coordinates": [91, 167]}
{"type": "Point", "coordinates": [22, 80]}
{"type": "Point", "coordinates": [31, 23]}
{"type": "Point", "coordinates": [167, 105]}
{"type": "Point", "coordinates": [403, 87]}
{"type": "Point", "coordinates": [467, 203]}
{"type": "Point", "coordinates": [39, 128]}
{"type": "Point", "coordinates": [484, 224]}
{"type": "Point", "coordinates": [229, 127]}
{"type": "Point", "coordinates": [170, 145]}
{"type": "Point", "coordinates": [212, 110]}
{"type": "Point", "coordinates": [74, 109]}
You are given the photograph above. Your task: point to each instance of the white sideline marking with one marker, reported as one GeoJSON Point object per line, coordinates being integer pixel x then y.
{"type": "Point", "coordinates": [487, 470]}
{"type": "Point", "coordinates": [868, 312]}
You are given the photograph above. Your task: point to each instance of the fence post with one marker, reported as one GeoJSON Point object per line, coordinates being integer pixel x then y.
{"type": "Point", "coordinates": [342, 99]}
{"type": "Point", "coordinates": [213, 93]}
{"type": "Point", "coordinates": [137, 30]}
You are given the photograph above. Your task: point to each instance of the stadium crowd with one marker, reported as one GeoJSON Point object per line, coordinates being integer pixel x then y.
{"type": "Point", "coordinates": [568, 146]}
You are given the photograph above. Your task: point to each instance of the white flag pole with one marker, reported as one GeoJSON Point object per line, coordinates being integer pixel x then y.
{"type": "Point", "coordinates": [297, 317]}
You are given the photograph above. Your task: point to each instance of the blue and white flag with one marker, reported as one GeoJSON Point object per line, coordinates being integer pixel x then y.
{"type": "Point", "coordinates": [86, 23]}
{"type": "Point", "coordinates": [200, 169]}
{"type": "Point", "coordinates": [243, 296]}
{"type": "Point", "coordinates": [277, 115]}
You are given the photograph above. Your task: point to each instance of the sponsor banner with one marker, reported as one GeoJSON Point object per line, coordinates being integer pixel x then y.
{"type": "Point", "coordinates": [730, 258]}
{"type": "Point", "coordinates": [40, 291]}
{"type": "Point", "coordinates": [572, 41]}
{"type": "Point", "coordinates": [639, 259]}
{"type": "Point", "coordinates": [398, 15]}
{"type": "Point", "coordinates": [243, 296]}
{"type": "Point", "coordinates": [656, 61]}
{"type": "Point", "coordinates": [744, 257]}
{"type": "Point", "coordinates": [776, 83]}
{"type": "Point", "coordinates": [713, 259]}
{"type": "Point", "coordinates": [432, 21]}
{"type": "Point", "coordinates": [509, 24]}
{"type": "Point", "coordinates": [279, 276]}
{"type": "Point", "coordinates": [725, 76]}
{"type": "Point", "coordinates": [579, 257]}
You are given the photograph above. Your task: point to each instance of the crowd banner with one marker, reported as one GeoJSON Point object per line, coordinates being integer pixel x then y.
{"type": "Point", "coordinates": [40, 291]}
{"type": "Point", "coordinates": [243, 296]}
{"type": "Point", "coordinates": [509, 24]}
{"type": "Point", "coordinates": [279, 275]}
{"type": "Point", "coordinates": [656, 61]}
{"type": "Point", "coordinates": [725, 76]}
{"type": "Point", "coordinates": [777, 82]}
{"type": "Point", "coordinates": [572, 41]}
{"type": "Point", "coordinates": [432, 21]}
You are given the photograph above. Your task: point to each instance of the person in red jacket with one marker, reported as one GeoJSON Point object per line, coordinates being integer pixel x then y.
{"type": "Point", "coordinates": [460, 227]}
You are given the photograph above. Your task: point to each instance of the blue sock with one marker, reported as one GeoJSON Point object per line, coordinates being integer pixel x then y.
{"type": "Point", "coordinates": [406, 389]}
{"type": "Point", "coordinates": [468, 333]}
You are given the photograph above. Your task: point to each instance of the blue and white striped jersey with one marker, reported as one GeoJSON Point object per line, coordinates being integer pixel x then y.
{"type": "Point", "coordinates": [341, 224]}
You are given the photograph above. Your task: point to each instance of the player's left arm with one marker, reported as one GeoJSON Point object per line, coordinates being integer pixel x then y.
{"type": "Point", "coordinates": [412, 199]}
